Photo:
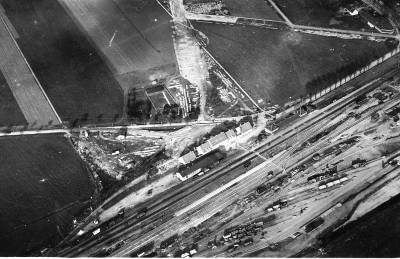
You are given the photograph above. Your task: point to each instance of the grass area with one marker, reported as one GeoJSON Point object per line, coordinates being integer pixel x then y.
{"type": "Point", "coordinates": [320, 13]}
{"type": "Point", "coordinates": [276, 65]}
{"type": "Point", "coordinates": [252, 9]}
{"type": "Point", "coordinates": [10, 113]}
{"type": "Point", "coordinates": [44, 184]}
{"type": "Point", "coordinates": [153, 25]}
{"type": "Point", "coordinates": [158, 100]}
{"type": "Point", "coordinates": [73, 75]}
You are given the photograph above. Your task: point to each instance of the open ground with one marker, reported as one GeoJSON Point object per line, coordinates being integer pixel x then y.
{"type": "Point", "coordinates": [252, 9]}
{"type": "Point", "coordinates": [134, 36]}
{"type": "Point", "coordinates": [44, 184]}
{"type": "Point", "coordinates": [276, 65]}
{"type": "Point", "coordinates": [10, 113]}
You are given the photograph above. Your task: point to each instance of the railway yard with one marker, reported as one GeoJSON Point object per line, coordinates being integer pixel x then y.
{"type": "Point", "coordinates": [303, 179]}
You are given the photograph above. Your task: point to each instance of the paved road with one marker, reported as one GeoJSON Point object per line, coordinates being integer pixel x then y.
{"type": "Point", "coordinates": [35, 132]}
{"type": "Point", "coordinates": [282, 25]}
{"type": "Point", "coordinates": [133, 127]}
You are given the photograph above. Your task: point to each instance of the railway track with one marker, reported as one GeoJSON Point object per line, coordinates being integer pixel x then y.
{"type": "Point", "coordinates": [159, 211]}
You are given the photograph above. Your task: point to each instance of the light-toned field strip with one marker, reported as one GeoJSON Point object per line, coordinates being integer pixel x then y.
{"type": "Point", "coordinates": [30, 96]}
{"type": "Point", "coordinates": [35, 132]}
{"type": "Point", "coordinates": [113, 34]}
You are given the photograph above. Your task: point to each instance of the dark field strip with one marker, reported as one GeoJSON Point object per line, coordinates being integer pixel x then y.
{"type": "Point", "coordinates": [252, 9]}
{"type": "Point", "coordinates": [10, 113]}
{"type": "Point", "coordinates": [75, 78]}
{"type": "Point", "coordinates": [43, 185]}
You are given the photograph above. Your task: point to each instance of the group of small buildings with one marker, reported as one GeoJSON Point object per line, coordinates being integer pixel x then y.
{"type": "Point", "coordinates": [373, 17]}
{"type": "Point", "coordinates": [214, 142]}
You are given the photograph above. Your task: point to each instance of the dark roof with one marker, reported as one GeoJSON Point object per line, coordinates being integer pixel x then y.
{"type": "Point", "coordinates": [202, 162]}
{"type": "Point", "coordinates": [155, 89]}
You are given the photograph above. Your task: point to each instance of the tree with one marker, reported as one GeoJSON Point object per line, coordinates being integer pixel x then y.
{"type": "Point", "coordinates": [99, 117]}
{"type": "Point", "coordinates": [85, 117]}
{"type": "Point", "coordinates": [166, 109]}
{"type": "Point", "coordinates": [74, 123]}
{"type": "Point", "coordinates": [213, 96]}
{"type": "Point", "coordinates": [247, 119]}
{"type": "Point", "coordinates": [116, 116]}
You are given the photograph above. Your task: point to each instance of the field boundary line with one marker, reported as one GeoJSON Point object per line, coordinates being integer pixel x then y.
{"type": "Point", "coordinates": [30, 69]}
{"type": "Point", "coordinates": [280, 12]}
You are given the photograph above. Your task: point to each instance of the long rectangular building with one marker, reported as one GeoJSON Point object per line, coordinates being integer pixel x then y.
{"type": "Point", "coordinates": [214, 141]}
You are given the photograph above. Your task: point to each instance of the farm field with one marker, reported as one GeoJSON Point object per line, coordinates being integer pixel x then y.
{"type": "Point", "coordinates": [252, 9]}
{"type": "Point", "coordinates": [26, 89]}
{"type": "Point", "coordinates": [10, 113]}
{"type": "Point", "coordinates": [134, 36]}
{"type": "Point", "coordinates": [44, 184]}
{"type": "Point", "coordinates": [276, 65]}
{"type": "Point", "coordinates": [320, 13]}
{"type": "Point", "coordinates": [73, 75]}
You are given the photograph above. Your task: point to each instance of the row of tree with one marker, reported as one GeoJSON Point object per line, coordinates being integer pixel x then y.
{"type": "Point", "coordinates": [321, 82]}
